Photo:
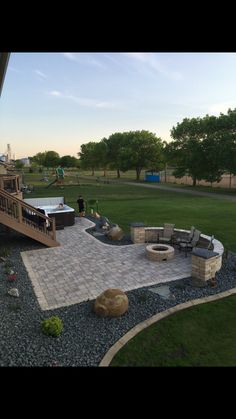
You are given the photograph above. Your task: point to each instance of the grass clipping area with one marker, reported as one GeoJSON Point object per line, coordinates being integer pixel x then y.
{"type": "Point", "coordinates": [204, 335]}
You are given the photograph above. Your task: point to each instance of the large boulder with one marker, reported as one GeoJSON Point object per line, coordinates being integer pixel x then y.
{"type": "Point", "coordinates": [113, 302]}
{"type": "Point", "coordinates": [115, 233]}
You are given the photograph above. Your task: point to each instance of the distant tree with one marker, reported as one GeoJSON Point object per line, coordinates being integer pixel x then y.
{"type": "Point", "coordinates": [39, 158]}
{"type": "Point", "coordinates": [115, 146]}
{"type": "Point", "coordinates": [211, 164]}
{"type": "Point", "coordinates": [101, 151]}
{"type": "Point", "coordinates": [19, 165]}
{"type": "Point", "coordinates": [142, 150]}
{"type": "Point", "coordinates": [52, 159]}
{"type": "Point", "coordinates": [186, 149]}
{"type": "Point", "coordinates": [229, 154]}
{"type": "Point", "coordinates": [87, 155]}
{"type": "Point", "coordinates": [205, 147]}
{"type": "Point", "coordinates": [68, 161]}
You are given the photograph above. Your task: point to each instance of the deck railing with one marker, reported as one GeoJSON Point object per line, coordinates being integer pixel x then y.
{"type": "Point", "coordinates": [26, 215]}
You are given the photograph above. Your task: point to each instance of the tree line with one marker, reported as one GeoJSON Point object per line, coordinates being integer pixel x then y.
{"type": "Point", "coordinates": [202, 148]}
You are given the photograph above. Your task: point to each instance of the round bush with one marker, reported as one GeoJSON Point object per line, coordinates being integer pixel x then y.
{"type": "Point", "coordinates": [52, 326]}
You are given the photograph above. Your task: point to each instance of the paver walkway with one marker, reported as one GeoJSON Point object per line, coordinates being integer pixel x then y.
{"type": "Point", "coordinates": [83, 267]}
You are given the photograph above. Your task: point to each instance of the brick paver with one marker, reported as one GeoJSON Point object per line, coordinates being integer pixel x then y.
{"type": "Point", "coordinates": [83, 267]}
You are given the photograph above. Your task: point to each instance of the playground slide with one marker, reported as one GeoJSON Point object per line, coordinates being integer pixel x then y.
{"type": "Point", "coordinates": [50, 184]}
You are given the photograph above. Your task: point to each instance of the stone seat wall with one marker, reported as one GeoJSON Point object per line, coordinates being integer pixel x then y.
{"type": "Point", "coordinates": [152, 233]}
{"type": "Point", "coordinates": [142, 234]}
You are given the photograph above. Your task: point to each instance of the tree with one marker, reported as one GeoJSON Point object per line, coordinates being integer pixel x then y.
{"type": "Point", "coordinates": [142, 149]}
{"type": "Point", "coordinates": [88, 158]}
{"type": "Point", "coordinates": [115, 147]}
{"type": "Point", "coordinates": [39, 158]}
{"type": "Point", "coordinates": [186, 149]}
{"type": "Point", "coordinates": [68, 161]}
{"type": "Point", "coordinates": [52, 159]}
{"type": "Point", "coordinates": [101, 151]}
{"type": "Point", "coordinates": [19, 165]}
{"type": "Point", "coordinates": [205, 147]}
{"type": "Point", "coordinates": [212, 170]}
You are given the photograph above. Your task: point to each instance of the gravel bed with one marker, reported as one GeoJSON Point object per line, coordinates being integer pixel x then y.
{"type": "Point", "coordinates": [85, 338]}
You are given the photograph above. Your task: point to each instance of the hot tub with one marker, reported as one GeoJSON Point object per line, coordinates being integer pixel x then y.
{"type": "Point", "coordinates": [64, 216]}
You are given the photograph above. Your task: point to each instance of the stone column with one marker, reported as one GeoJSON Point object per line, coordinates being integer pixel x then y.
{"type": "Point", "coordinates": [205, 264]}
{"type": "Point", "coordinates": [137, 232]}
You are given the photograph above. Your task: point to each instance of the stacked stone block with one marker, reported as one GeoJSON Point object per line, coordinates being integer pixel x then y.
{"type": "Point", "coordinates": [205, 269]}
{"type": "Point", "coordinates": [137, 232]}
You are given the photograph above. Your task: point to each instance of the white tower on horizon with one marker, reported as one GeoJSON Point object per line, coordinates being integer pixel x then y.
{"type": "Point", "coordinates": [8, 152]}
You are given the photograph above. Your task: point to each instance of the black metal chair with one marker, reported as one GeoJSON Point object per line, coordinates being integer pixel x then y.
{"type": "Point", "coordinates": [192, 243]}
{"type": "Point", "coordinates": [210, 245]}
{"type": "Point", "coordinates": [188, 238]}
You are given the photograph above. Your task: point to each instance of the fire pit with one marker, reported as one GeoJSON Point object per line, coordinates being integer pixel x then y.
{"type": "Point", "coordinates": [159, 252]}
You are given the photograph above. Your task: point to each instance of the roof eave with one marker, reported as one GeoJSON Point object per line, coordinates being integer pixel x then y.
{"type": "Point", "coordinates": [4, 58]}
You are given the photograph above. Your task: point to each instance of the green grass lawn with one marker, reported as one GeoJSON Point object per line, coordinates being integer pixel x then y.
{"type": "Point", "coordinates": [123, 204]}
{"type": "Point", "coordinates": [204, 335]}
{"type": "Point", "coordinates": [203, 188]}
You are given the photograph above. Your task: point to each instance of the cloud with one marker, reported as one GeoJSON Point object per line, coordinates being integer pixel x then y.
{"type": "Point", "coordinates": [41, 74]}
{"type": "Point", "coordinates": [55, 93]}
{"type": "Point", "coordinates": [85, 102]}
{"type": "Point", "coordinates": [84, 58]}
{"type": "Point", "coordinates": [153, 63]}
{"type": "Point", "coordinates": [71, 56]}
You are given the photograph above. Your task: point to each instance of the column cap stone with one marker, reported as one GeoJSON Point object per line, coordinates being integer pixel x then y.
{"type": "Point", "coordinates": [204, 253]}
{"type": "Point", "coordinates": [137, 224]}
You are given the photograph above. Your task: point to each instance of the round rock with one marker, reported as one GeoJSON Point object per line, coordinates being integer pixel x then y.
{"type": "Point", "coordinates": [113, 302]}
{"type": "Point", "coordinates": [115, 233]}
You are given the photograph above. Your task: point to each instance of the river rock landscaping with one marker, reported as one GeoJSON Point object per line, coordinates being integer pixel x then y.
{"type": "Point", "coordinates": [85, 337]}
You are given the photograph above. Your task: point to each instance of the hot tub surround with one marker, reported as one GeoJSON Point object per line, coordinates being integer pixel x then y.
{"type": "Point", "coordinates": [63, 217]}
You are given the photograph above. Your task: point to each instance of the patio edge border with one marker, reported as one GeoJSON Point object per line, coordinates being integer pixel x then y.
{"type": "Point", "coordinates": [105, 362]}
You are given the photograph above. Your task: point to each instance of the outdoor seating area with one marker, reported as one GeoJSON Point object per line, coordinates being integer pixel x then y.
{"type": "Point", "coordinates": [125, 266]}
{"type": "Point", "coordinates": [180, 238]}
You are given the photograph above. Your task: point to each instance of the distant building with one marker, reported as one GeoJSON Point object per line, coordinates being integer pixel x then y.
{"type": "Point", "coordinates": [25, 161]}
{"type": "Point", "coordinates": [3, 157]}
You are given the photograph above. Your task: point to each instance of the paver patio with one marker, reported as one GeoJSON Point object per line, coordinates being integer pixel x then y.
{"type": "Point", "coordinates": [83, 267]}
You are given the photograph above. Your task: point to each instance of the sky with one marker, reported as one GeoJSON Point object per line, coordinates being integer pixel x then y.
{"type": "Point", "coordinates": [58, 101]}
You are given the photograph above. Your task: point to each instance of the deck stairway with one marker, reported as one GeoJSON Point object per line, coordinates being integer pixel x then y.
{"type": "Point", "coordinates": [25, 219]}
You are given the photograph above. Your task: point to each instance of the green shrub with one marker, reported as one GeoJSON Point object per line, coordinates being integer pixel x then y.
{"type": "Point", "coordinates": [52, 326]}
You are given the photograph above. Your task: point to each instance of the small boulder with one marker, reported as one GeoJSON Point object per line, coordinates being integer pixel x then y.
{"type": "Point", "coordinates": [115, 233]}
{"type": "Point", "coordinates": [113, 302]}
{"type": "Point", "coordinates": [14, 292]}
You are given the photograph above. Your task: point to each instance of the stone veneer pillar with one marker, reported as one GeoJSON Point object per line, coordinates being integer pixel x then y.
{"type": "Point", "coordinates": [137, 232]}
{"type": "Point", "coordinates": [205, 264]}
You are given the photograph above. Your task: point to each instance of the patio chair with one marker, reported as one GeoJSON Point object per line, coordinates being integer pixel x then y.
{"type": "Point", "coordinates": [192, 243]}
{"type": "Point", "coordinates": [168, 233]}
{"type": "Point", "coordinates": [188, 238]}
{"type": "Point", "coordinates": [210, 245]}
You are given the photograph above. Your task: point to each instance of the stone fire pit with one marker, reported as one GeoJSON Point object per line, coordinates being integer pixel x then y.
{"type": "Point", "coordinates": [159, 252]}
